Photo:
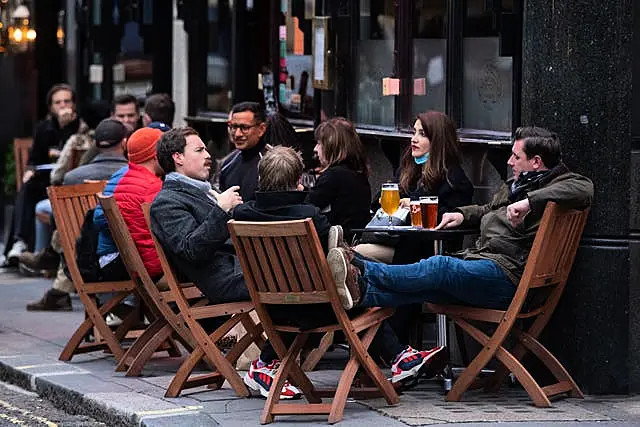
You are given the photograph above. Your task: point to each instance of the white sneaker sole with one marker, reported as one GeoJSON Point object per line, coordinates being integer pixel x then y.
{"type": "Point", "coordinates": [338, 267]}
{"type": "Point", "coordinates": [254, 386]}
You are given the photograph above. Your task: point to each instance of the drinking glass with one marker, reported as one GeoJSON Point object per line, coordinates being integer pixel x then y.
{"type": "Point", "coordinates": [390, 199]}
{"type": "Point", "coordinates": [429, 211]}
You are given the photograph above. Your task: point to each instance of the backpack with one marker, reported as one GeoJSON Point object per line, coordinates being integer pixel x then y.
{"type": "Point", "coordinates": [86, 248]}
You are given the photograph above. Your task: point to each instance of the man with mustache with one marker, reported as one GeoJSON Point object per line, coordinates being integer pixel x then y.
{"type": "Point", "coordinates": [247, 126]}
{"type": "Point", "coordinates": [189, 220]}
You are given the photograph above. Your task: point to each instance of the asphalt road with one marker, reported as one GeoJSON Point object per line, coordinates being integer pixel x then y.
{"type": "Point", "coordinates": [19, 407]}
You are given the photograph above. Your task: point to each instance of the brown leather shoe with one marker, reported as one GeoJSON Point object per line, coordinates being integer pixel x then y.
{"type": "Point", "coordinates": [45, 259]}
{"type": "Point", "coordinates": [346, 277]}
{"type": "Point", "coordinates": [52, 300]}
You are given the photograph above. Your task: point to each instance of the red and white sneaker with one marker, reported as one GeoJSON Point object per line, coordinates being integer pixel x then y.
{"type": "Point", "coordinates": [410, 363]}
{"type": "Point", "coordinates": [260, 379]}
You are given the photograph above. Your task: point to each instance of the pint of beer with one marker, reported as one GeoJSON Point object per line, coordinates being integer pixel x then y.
{"type": "Point", "coordinates": [429, 211]}
{"type": "Point", "coordinates": [416, 218]}
{"type": "Point", "coordinates": [390, 198]}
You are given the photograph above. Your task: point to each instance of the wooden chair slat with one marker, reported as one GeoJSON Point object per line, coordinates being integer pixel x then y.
{"type": "Point", "coordinates": [274, 259]}
{"type": "Point", "coordinates": [264, 264]}
{"type": "Point", "coordinates": [300, 264]}
{"type": "Point", "coordinates": [311, 264]}
{"type": "Point", "coordinates": [287, 262]}
{"type": "Point", "coordinates": [251, 255]}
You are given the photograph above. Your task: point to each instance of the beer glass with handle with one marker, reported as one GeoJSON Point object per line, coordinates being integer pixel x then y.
{"type": "Point", "coordinates": [390, 199]}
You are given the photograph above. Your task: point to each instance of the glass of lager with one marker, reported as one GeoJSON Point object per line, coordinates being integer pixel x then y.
{"type": "Point", "coordinates": [429, 211]}
{"type": "Point", "coordinates": [390, 199]}
{"type": "Point", "coordinates": [416, 217]}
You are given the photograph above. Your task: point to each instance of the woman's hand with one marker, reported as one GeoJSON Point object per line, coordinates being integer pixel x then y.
{"type": "Point", "coordinates": [404, 203]}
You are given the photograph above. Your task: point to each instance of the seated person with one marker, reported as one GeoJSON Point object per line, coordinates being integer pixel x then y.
{"type": "Point", "coordinates": [280, 198]}
{"type": "Point", "coordinates": [131, 186]}
{"type": "Point", "coordinates": [487, 275]}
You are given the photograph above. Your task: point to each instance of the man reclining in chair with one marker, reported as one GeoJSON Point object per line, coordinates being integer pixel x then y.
{"type": "Point", "coordinates": [485, 276]}
{"type": "Point", "coordinates": [190, 222]}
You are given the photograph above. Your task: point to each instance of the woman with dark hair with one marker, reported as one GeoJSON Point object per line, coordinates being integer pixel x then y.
{"type": "Point", "coordinates": [430, 166]}
{"type": "Point", "coordinates": [342, 190]}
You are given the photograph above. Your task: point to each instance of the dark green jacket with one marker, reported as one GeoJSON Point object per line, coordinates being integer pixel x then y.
{"type": "Point", "coordinates": [508, 246]}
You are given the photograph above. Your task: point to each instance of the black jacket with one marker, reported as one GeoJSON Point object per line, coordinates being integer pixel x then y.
{"type": "Point", "coordinates": [241, 168]}
{"type": "Point", "coordinates": [192, 229]}
{"type": "Point", "coordinates": [283, 206]}
{"type": "Point", "coordinates": [48, 135]}
{"type": "Point", "coordinates": [344, 196]}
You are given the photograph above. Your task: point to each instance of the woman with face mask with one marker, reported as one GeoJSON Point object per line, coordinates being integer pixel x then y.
{"type": "Point", "coordinates": [430, 166]}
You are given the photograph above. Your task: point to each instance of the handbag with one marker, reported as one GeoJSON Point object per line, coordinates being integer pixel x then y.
{"type": "Point", "coordinates": [381, 219]}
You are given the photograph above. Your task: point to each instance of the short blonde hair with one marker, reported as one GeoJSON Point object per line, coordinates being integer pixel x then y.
{"type": "Point", "coordinates": [280, 169]}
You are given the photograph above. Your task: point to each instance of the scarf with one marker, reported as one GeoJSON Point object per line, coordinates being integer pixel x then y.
{"type": "Point", "coordinates": [204, 186]}
{"type": "Point", "coordinates": [532, 180]}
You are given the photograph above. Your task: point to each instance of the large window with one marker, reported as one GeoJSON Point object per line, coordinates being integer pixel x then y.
{"type": "Point", "coordinates": [429, 55]}
{"type": "Point", "coordinates": [295, 87]}
{"type": "Point", "coordinates": [487, 66]}
{"type": "Point", "coordinates": [375, 61]}
{"type": "Point", "coordinates": [219, 56]}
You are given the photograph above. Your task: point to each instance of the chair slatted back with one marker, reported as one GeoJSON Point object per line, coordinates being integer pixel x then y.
{"type": "Point", "coordinates": [555, 246]}
{"type": "Point", "coordinates": [21, 149]}
{"type": "Point", "coordinates": [283, 262]}
{"type": "Point", "coordinates": [70, 204]}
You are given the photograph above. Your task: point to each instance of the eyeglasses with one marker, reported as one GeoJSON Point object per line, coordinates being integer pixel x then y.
{"type": "Point", "coordinates": [243, 128]}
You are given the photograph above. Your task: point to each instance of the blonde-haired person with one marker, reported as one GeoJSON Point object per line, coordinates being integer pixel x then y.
{"type": "Point", "coordinates": [430, 166]}
{"type": "Point", "coordinates": [342, 190]}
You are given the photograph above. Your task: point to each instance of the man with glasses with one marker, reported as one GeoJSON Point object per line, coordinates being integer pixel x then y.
{"type": "Point", "coordinates": [247, 126]}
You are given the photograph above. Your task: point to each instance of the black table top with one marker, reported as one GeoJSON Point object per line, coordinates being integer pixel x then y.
{"type": "Point", "coordinates": [426, 233]}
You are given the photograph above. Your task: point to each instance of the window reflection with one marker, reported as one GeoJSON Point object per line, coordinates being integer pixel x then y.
{"type": "Point", "coordinates": [488, 75]}
{"type": "Point", "coordinates": [219, 56]}
{"type": "Point", "coordinates": [429, 55]}
{"type": "Point", "coordinates": [295, 87]}
{"type": "Point", "coordinates": [375, 61]}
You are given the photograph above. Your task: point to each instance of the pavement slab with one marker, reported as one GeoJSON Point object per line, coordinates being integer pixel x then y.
{"type": "Point", "coordinates": [30, 344]}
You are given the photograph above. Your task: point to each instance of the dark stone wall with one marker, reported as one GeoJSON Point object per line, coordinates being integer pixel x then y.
{"type": "Point", "coordinates": [577, 68]}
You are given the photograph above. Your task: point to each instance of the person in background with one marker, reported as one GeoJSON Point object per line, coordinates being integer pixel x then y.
{"type": "Point", "coordinates": [110, 136]}
{"type": "Point", "coordinates": [159, 112]}
{"type": "Point", "coordinates": [247, 126]}
{"type": "Point", "coordinates": [50, 136]}
{"type": "Point", "coordinates": [342, 190]}
{"type": "Point", "coordinates": [125, 110]}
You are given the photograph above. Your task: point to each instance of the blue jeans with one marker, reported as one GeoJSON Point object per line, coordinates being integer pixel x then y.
{"type": "Point", "coordinates": [43, 231]}
{"type": "Point", "coordinates": [438, 279]}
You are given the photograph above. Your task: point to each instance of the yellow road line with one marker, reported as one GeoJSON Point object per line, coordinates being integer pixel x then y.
{"type": "Point", "coordinates": [26, 414]}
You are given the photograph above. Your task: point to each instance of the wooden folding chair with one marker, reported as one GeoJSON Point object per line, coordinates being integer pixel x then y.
{"type": "Point", "coordinates": [543, 280]}
{"type": "Point", "coordinates": [283, 263]}
{"type": "Point", "coordinates": [205, 344]}
{"type": "Point", "coordinates": [166, 321]}
{"type": "Point", "coordinates": [70, 204]}
{"type": "Point", "coordinates": [21, 148]}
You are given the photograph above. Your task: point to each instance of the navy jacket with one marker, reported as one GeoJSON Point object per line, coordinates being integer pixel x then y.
{"type": "Point", "coordinates": [192, 230]}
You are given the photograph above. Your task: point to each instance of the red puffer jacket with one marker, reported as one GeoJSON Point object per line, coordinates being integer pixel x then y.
{"type": "Point", "coordinates": [137, 186]}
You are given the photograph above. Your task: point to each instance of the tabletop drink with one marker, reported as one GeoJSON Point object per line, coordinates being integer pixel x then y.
{"type": "Point", "coordinates": [429, 211]}
{"type": "Point", "coordinates": [416, 216]}
{"type": "Point", "coordinates": [390, 198]}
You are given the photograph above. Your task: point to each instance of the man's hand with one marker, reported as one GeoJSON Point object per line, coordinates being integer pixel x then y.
{"type": "Point", "coordinates": [450, 220]}
{"type": "Point", "coordinates": [229, 198]}
{"type": "Point", "coordinates": [517, 211]}
{"type": "Point", "coordinates": [28, 174]}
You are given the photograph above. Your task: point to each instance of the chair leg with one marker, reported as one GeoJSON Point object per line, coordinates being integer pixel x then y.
{"type": "Point", "coordinates": [278, 382]}
{"type": "Point", "coordinates": [182, 375]}
{"type": "Point", "coordinates": [139, 344]}
{"type": "Point", "coordinates": [147, 351]}
{"type": "Point", "coordinates": [538, 396]}
{"type": "Point", "coordinates": [316, 354]}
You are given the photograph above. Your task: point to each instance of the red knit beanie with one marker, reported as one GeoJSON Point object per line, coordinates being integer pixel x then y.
{"type": "Point", "coordinates": [141, 145]}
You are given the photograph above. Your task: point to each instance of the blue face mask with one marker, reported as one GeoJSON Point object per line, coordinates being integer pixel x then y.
{"type": "Point", "coordinates": [422, 159]}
